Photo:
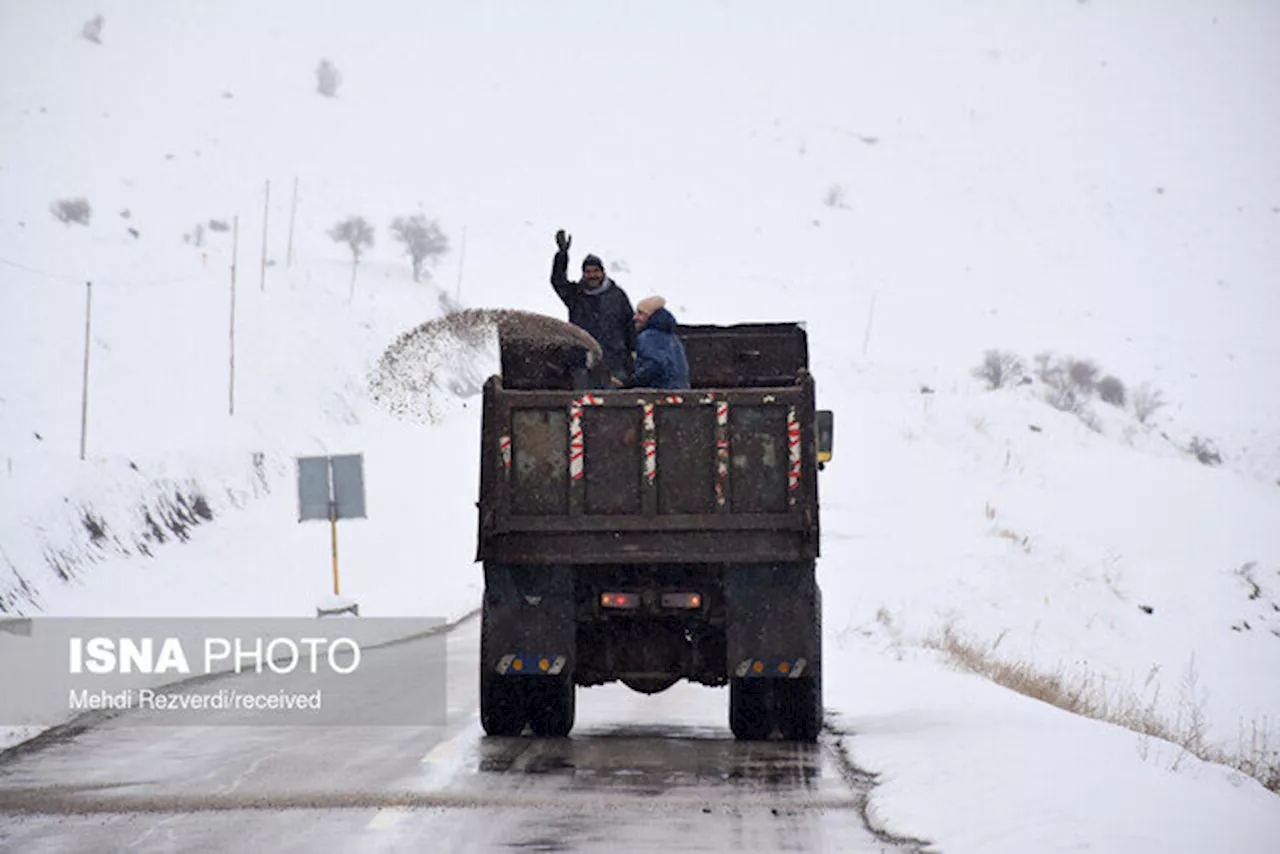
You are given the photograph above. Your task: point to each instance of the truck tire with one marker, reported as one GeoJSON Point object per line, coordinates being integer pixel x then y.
{"type": "Point", "coordinates": [502, 702]}
{"type": "Point", "coordinates": [751, 708]}
{"type": "Point", "coordinates": [502, 705]}
{"type": "Point", "coordinates": [551, 707]}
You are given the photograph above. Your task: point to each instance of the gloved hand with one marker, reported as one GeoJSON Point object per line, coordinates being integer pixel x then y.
{"type": "Point", "coordinates": [563, 241]}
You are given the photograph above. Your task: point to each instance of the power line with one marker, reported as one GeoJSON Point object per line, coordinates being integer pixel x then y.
{"type": "Point", "coordinates": [110, 282]}
{"type": "Point", "coordinates": [39, 272]}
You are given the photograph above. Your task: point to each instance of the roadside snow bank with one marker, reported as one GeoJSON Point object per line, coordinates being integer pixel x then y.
{"type": "Point", "coordinates": [972, 767]}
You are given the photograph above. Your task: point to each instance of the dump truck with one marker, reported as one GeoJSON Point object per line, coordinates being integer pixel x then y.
{"type": "Point", "coordinates": [648, 536]}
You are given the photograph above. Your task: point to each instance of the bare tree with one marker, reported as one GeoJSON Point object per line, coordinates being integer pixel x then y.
{"type": "Point", "coordinates": [1000, 368]}
{"type": "Point", "coordinates": [422, 238]}
{"type": "Point", "coordinates": [1146, 401]}
{"type": "Point", "coordinates": [356, 232]}
{"type": "Point", "coordinates": [328, 79]}
{"type": "Point", "coordinates": [92, 29]}
{"type": "Point", "coordinates": [1059, 392]}
{"type": "Point", "coordinates": [1068, 383]}
{"type": "Point", "coordinates": [67, 211]}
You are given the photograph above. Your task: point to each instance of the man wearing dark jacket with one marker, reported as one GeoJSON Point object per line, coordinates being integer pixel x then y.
{"type": "Point", "coordinates": [597, 305]}
{"type": "Point", "coordinates": [660, 357]}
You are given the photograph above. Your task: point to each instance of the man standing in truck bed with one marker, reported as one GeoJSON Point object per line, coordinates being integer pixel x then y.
{"type": "Point", "coordinates": [599, 306]}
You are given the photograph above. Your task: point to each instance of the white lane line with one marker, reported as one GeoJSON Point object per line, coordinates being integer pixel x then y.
{"type": "Point", "coordinates": [386, 818]}
{"type": "Point", "coordinates": [440, 763]}
{"type": "Point", "coordinates": [449, 748]}
{"type": "Point", "coordinates": [443, 762]}
{"type": "Point", "coordinates": [443, 750]}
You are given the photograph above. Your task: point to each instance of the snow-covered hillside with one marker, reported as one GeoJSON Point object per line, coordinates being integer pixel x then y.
{"type": "Point", "coordinates": [919, 183]}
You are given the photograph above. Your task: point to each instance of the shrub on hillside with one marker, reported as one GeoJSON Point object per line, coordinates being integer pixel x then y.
{"type": "Point", "coordinates": [1205, 451]}
{"type": "Point", "coordinates": [1111, 390]}
{"type": "Point", "coordinates": [1047, 368]}
{"type": "Point", "coordinates": [1145, 402]}
{"type": "Point", "coordinates": [92, 29]}
{"type": "Point", "coordinates": [1000, 368]}
{"type": "Point", "coordinates": [835, 197]}
{"type": "Point", "coordinates": [1069, 382]}
{"type": "Point", "coordinates": [328, 79]}
{"type": "Point", "coordinates": [1083, 374]}
{"type": "Point", "coordinates": [1060, 390]}
{"type": "Point", "coordinates": [67, 211]}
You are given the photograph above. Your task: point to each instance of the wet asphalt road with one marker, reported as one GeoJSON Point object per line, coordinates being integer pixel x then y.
{"type": "Point", "coordinates": [640, 773]}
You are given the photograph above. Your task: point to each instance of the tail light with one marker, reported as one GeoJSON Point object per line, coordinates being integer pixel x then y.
{"type": "Point", "coordinates": [625, 601]}
{"type": "Point", "coordinates": [687, 601]}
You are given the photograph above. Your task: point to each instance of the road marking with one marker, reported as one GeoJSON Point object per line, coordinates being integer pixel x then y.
{"type": "Point", "coordinates": [448, 748]}
{"type": "Point", "coordinates": [442, 750]}
{"type": "Point", "coordinates": [387, 817]}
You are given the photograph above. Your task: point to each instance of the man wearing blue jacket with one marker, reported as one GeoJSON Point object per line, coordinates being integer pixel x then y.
{"type": "Point", "coordinates": [660, 357]}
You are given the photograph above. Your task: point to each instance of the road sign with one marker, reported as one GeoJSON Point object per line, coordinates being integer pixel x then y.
{"type": "Point", "coordinates": [331, 487]}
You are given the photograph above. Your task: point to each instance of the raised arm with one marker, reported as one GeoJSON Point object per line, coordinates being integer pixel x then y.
{"type": "Point", "coordinates": [564, 288]}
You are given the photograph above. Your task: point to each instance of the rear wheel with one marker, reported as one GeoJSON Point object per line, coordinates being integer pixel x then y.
{"type": "Point", "coordinates": [551, 707]}
{"type": "Point", "coordinates": [751, 708]}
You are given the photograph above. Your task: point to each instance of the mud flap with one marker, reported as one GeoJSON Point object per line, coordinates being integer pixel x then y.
{"type": "Point", "coordinates": [774, 620]}
{"type": "Point", "coordinates": [528, 617]}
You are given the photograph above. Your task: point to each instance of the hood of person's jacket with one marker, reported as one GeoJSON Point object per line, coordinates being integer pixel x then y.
{"type": "Point", "coordinates": [662, 320]}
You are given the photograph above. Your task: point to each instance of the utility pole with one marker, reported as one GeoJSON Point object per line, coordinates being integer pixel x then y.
{"type": "Point", "coordinates": [266, 210]}
{"type": "Point", "coordinates": [871, 314]}
{"type": "Point", "coordinates": [293, 212]}
{"type": "Point", "coordinates": [462, 257]}
{"type": "Point", "coordinates": [84, 388]}
{"type": "Point", "coordinates": [235, 249]}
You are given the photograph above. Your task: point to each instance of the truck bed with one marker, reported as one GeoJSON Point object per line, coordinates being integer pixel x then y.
{"type": "Point", "coordinates": [711, 475]}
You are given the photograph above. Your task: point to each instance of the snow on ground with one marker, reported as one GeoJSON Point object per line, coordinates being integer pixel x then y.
{"type": "Point", "coordinates": [1095, 179]}
{"type": "Point", "coordinates": [973, 767]}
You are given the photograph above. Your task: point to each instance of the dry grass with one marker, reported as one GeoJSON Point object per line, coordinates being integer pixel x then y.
{"type": "Point", "coordinates": [1014, 537]}
{"type": "Point", "coordinates": [1255, 754]}
{"type": "Point", "coordinates": [1021, 541]}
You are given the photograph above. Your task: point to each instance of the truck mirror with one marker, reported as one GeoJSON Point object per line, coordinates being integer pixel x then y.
{"type": "Point", "coordinates": [825, 423]}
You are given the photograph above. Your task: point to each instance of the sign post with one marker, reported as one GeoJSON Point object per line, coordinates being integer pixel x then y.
{"type": "Point", "coordinates": [332, 488]}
